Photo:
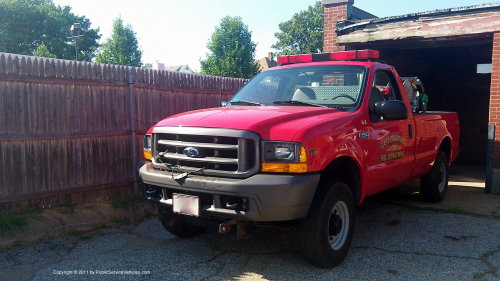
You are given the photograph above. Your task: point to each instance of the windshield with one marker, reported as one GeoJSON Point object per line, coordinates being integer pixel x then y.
{"type": "Point", "coordinates": [325, 86]}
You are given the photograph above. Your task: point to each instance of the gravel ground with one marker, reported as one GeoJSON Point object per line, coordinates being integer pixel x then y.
{"type": "Point", "coordinates": [390, 243]}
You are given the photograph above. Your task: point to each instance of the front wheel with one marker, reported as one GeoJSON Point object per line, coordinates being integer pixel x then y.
{"type": "Point", "coordinates": [327, 231]}
{"type": "Point", "coordinates": [434, 185]}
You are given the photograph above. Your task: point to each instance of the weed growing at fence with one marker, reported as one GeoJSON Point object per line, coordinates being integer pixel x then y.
{"type": "Point", "coordinates": [142, 216]}
{"type": "Point", "coordinates": [12, 221]}
{"type": "Point", "coordinates": [67, 208]}
{"type": "Point", "coordinates": [132, 201]}
{"type": "Point", "coordinates": [79, 236]}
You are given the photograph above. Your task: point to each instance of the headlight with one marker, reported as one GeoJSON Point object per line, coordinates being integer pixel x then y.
{"type": "Point", "coordinates": [147, 146]}
{"type": "Point", "coordinates": [283, 157]}
{"type": "Point", "coordinates": [280, 151]}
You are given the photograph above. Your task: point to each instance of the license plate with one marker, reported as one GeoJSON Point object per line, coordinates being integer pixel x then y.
{"type": "Point", "coordinates": [186, 204]}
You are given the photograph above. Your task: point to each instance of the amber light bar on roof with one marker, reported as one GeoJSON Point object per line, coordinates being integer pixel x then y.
{"type": "Point", "coordinates": [337, 56]}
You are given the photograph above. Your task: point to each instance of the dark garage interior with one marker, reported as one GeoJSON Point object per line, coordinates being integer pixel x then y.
{"type": "Point", "coordinates": [448, 70]}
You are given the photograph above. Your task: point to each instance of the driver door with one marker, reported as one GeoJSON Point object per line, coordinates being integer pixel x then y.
{"type": "Point", "coordinates": [391, 153]}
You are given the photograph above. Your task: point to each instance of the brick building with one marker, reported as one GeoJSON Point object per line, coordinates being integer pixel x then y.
{"type": "Point", "coordinates": [449, 50]}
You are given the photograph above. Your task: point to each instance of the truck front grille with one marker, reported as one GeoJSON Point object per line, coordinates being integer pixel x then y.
{"type": "Point", "coordinates": [219, 152]}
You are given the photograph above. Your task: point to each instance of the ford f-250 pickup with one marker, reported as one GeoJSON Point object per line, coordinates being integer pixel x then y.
{"type": "Point", "coordinates": [301, 144]}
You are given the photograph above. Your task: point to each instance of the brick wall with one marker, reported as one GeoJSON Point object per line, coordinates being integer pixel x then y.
{"type": "Point", "coordinates": [495, 98]}
{"type": "Point", "coordinates": [333, 13]}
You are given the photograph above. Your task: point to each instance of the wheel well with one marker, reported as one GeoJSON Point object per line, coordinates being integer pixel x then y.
{"type": "Point", "coordinates": [446, 147]}
{"type": "Point", "coordinates": [346, 170]}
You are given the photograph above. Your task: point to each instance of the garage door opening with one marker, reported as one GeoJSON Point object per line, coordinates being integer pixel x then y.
{"type": "Point", "coordinates": [448, 70]}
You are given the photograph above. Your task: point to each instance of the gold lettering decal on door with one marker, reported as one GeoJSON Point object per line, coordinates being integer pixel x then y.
{"type": "Point", "coordinates": [394, 138]}
{"type": "Point", "coordinates": [395, 149]}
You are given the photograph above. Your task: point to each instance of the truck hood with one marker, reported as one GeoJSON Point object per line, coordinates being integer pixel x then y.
{"type": "Point", "coordinates": [271, 122]}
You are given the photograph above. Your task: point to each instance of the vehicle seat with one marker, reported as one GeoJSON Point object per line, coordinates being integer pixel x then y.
{"type": "Point", "coordinates": [304, 93]}
{"type": "Point", "coordinates": [375, 96]}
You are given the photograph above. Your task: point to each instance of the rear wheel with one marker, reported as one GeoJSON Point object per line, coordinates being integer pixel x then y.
{"type": "Point", "coordinates": [435, 184]}
{"type": "Point", "coordinates": [173, 223]}
{"type": "Point", "coordinates": [327, 231]}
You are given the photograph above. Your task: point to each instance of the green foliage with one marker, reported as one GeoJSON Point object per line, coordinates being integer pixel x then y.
{"type": "Point", "coordinates": [148, 65]}
{"type": "Point", "coordinates": [43, 51]}
{"type": "Point", "coordinates": [303, 34]}
{"type": "Point", "coordinates": [67, 208]}
{"type": "Point", "coordinates": [232, 51]}
{"type": "Point", "coordinates": [122, 48]}
{"type": "Point", "coordinates": [27, 24]}
{"type": "Point", "coordinates": [11, 221]}
{"type": "Point", "coordinates": [79, 236]}
{"type": "Point", "coordinates": [133, 201]}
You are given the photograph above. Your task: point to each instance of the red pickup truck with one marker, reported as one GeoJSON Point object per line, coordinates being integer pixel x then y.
{"type": "Point", "coordinates": [300, 145]}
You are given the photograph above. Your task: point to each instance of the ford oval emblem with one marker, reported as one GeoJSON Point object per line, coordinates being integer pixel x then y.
{"type": "Point", "coordinates": [191, 152]}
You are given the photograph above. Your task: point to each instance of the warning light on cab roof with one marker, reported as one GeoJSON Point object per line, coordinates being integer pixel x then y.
{"type": "Point", "coordinates": [337, 56]}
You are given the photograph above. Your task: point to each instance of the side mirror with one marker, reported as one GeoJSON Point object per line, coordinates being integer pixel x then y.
{"type": "Point", "coordinates": [391, 110]}
{"type": "Point", "coordinates": [223, 103]}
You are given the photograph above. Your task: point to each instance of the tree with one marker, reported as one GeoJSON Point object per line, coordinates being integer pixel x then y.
{"type": "Point", "coordinates": [303, 34]}
{"type": "Point", "coordinates": [122, 47]}
{"type": "Point", "coordinates": [232, 51]}
{"type": "Point", "coordinates": [42, 51]}
{"type": "Point", "coordinates": [25, 24]}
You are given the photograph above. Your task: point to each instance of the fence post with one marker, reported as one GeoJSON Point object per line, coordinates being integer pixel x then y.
{"type": "Point", "coordinates": [132, 128]}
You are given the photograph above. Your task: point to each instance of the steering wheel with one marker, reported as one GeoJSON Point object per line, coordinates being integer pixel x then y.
{"type": "Point", "coordinates": [345, 96]}
{"type": "Point", "coordinates": [306, 77]}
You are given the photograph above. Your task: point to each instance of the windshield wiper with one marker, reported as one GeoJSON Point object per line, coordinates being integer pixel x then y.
{"type": "Point", "coordinates": [299, 102]}
{"type": "Point", "coordinates": [246, 102]}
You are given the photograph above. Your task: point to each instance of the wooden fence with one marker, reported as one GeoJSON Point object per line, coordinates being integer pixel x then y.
{"type": "Point", "coordinates": [64, 125]}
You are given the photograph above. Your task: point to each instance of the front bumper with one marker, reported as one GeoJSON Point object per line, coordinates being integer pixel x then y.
{"type": "Point", "coordinates": [270, 197]}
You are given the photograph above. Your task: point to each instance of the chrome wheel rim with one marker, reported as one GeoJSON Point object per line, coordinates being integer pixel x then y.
{"type": "Point", "coordinates": [338, 225]}
{"type": "Point", "coordinates": [442, 177]}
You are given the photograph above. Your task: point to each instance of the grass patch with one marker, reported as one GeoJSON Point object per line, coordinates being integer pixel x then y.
{"type": "Point", "coordinates": [490, 253]}
{"type": "Point", "coordinates": [493, 269]}
{"type": "Point", "coordinates": [128, 201]}
{"type": "Point", "coordinates": [16, 244]}
{"type": "Point", "coordinates": [480, 275]}
{"type": "Point", "coordinates": [142, 216]}
{"type": "Point", "coordinates": [67, 208]}
{"type": "Point", "coordinates": [464, 212]}
{"type": "Point", "coordinates": [9, 222]}
{"type": "Point", "coordinates": [120, 221]}
{"type": "Point", "coordinates": [99, 225]}
{"type": "Point", "coordinates": [85, 237]}
{"type": "Point", "coordinates": [79, 236]}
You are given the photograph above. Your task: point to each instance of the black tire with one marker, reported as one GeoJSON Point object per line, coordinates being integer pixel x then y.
{"type": "Point", "coordinates": [173, 224]}
{"type": "Point", "coordinates": [327, 231]}
{"type": "Point", "coordinates": [434, 185]}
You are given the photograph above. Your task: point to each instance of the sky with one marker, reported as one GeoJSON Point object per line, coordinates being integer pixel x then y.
{"type": "Point", "coordinates": [176, 32]}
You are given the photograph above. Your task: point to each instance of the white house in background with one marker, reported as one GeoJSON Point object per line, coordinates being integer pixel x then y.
{"type": "Point", "coordinates": [158, 66]}
{"type": "Point", "coordinates": [178, 68]}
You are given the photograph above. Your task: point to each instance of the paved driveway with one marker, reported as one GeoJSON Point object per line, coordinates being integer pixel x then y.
{"type": "Point", "coordinates": [391, 242]}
